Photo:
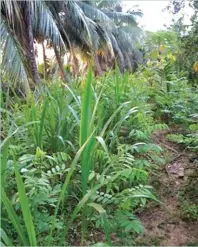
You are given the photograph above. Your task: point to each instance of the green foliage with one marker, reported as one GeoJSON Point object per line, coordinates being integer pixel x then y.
{"type": "Point", "coordinates": [84, 153]}
{"type": "Point", "coordinates": [51, 164]}
{"type": "Point", "coordinates": [127, 222]}
{"type": "Point", "coordinates": [80, 154]}
{"type": "Point", "coordinates": [188, 38]}
{"type": "Point", "coordinates": [5, 239]}
{"type": "Point", "coordinates": [189, 140]}
{"type": "Point", "coordinates": [27, 216]}
{"type": "Point", "coordinates": [189, 210]}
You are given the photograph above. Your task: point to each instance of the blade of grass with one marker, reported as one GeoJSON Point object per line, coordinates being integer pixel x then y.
{"type": "Point", "coordinates": [125, 117]}
{"type": "Point", "coordinates": [117, 86]}
{"type": "Point", "coordinates": [112, 117]}
{"type": "Point", "coordinates": [103, 216]}
{"type": "Point", "coordinates": [86, 156]}
{"type": "Point", "coordinates": [86, 126]}
{"type": "Point", "coordinates": [85, 112]}
{"type": "Point", "coordinates": [66, 183]}
{"type": "Point", "coordinates": [76, 99]}
{"type": "Point", "coordinates": [96, 106]}
{"type": "Point", "coordinates": [92, 191]}
{"type": "Point", "coordinates": [13, 217]}
{"type": "Point", "coordinates": [36, 127]}
{"type": "Point", "coordinates": [42, 124]}
{"type": "Point", "coordinates": [4, 159]}
{"type": "Point", "coordinates": [5, 238]}
{"type": "Point", "coordinates": [27, 217]}
{"type": "Point", "coordinates": [85, 167]}
{"type": "Point", "coordinates": [103, 144]}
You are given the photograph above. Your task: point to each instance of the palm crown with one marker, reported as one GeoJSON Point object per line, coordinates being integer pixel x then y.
{"type": "Point", "coordinates": [90, 26]}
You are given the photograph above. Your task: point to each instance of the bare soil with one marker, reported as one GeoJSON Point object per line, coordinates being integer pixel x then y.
{"type": "Point", "coordinates": [164, 224]}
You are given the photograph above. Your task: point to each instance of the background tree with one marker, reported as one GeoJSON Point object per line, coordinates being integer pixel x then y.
{"type": "Point", "coordinates": [187, 37]}
{"type": "Point", "coordinates": [101, 34]}
{"type": "Point", "coordinates": [22, 22]}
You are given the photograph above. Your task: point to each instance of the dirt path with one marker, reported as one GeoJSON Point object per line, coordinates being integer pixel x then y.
{"type": "Point", "coordinates": [164, 224]}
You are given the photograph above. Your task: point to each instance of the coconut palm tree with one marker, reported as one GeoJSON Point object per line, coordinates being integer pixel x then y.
{"type": "Point", "coordinates": [67, 25]}
{"type": "Point", "coordinates": [119, 29]}
{"type": "Point", "coordinates": [21, 22]}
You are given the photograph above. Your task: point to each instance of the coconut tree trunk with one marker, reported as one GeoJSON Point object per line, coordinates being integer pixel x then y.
{"type": "Point", "coordinates": [128, 62]}
{"type": "Point", "coordinates": [44, 60]}
{"type": "Point", "coordinates": [74, 62]}
{"type": "Point", "coordinates": [97, 66]}
{"type": "Point", "coordinates": [64, 76]}
{"type": "Point", "coordinates": [30, 43]}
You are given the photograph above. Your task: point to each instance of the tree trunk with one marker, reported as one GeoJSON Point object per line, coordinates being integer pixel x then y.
{"type": "Point", "coordinates": [30, 43]}
{"type": "Point", "coordinates": [74, 62]}
{"type": "Point", "coordinates": [44, 61]}
{"type": "Point", "coordinates": [98, 67]}
{"type": "Point", "coordinates": [60, 64]}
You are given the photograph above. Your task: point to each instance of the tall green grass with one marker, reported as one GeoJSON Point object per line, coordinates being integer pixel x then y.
{"type": "Point", "coordinates": [49, 125]}
{"type": "Point", "coordinates": [86, 126]}
{"type": "Point", "coordinates": [80, 122]}
{"type": "Point", "coordinates": [27, 216]}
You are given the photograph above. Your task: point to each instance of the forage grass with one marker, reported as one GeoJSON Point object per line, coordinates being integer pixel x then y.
{"type": "Point", "coordinates": [5, 239]}
{"type": "Point", "coordinates": [38, 128]}
{"type": "Point", "coordinates": [85, 129]}
{"type": "Point", "coordinates": [13, 218]}
{"type": "Point", "coordinates": [103, 217]}
{"type": "Point", "coordinates": [65, 186]}
{"type": "Point", "coordinates": [40, 134]}
{"type": "Point", "coordinates": [4, 158]}
{"type": "Point", "coordinates": [27, 217]}
{"type": "Point", "coordinates": [117, 87]}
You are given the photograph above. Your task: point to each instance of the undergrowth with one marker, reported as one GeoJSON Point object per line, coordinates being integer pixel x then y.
{"type": "Point", "coordinates": [76, 158]}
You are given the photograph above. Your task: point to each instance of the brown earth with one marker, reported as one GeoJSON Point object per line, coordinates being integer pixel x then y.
{"type": "Point", "coordinates": [164, 224]}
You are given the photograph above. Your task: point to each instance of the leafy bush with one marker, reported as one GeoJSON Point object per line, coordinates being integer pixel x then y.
{"type": "Point", "coordinates": [81, 154]}
{"type": "Point", "coordinates": [57, 131]}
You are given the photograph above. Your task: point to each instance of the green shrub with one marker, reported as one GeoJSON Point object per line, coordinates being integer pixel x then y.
{"type": "Point", "coordinates": [84, 153]}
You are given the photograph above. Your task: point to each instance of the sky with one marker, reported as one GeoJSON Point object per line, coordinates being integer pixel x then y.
{"type": "Point", "coordinates": [154, 18]}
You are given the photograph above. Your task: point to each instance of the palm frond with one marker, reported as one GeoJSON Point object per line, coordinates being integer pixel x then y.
{"type": "Point", "coordinates": [96, 15]}
{"type": "Point", "coordinates": [103, 4]}
{"type": "Point", "coordinates": [11, 9]}
{"type": "Point", "coordinates": [44, 24]}
{"type": "Point", "coordinates": [125, 40]}
{"type": "Point", "coordinates": [80, 29]}
{"type": "Point", "coordinates": [136, 33]}
{"type": "Point", "coordinates": [124, 18]}
{"type": "Point", "coordinates": [104, 38]}
{"type": "Point", "coordinates": [13, 61]}
{"type": "Point", "coordinates": [135, 12]}
{"type": "Point", "coordinates": [78, 19]}
{"type": "Point", "coordinates": [116, 48]}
